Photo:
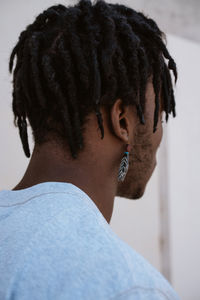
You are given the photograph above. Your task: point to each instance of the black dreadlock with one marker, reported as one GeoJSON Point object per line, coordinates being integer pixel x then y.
{"type": "Point", "coordinates": [72, 60]}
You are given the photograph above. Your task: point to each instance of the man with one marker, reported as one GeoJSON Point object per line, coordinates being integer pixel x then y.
{"type": "Point", "coordinates": [92, 81]}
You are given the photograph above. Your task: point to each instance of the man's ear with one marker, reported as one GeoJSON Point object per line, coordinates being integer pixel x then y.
{"type": "Point", "coordinates": [123, 121]}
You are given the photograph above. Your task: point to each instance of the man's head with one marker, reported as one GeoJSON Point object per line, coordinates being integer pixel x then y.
{"type": "Point", "coordinates": [89, 63]}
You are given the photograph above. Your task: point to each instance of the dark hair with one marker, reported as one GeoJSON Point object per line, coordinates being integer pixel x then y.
{"type": "Point", "coordinates": [72, 60]}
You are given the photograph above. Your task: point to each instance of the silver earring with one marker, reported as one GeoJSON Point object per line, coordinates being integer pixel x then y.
{"type": "Point", "coordinates": [124, 165]}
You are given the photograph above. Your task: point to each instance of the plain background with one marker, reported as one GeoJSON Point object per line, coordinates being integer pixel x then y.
{"type": "Point", "coordinates": [164, 225]}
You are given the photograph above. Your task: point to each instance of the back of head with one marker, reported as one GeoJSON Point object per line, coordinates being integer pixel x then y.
{"type": "Point", "coordinates": [72, 60]}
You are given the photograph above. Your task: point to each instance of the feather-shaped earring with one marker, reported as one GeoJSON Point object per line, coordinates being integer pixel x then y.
{"type": "Point", "coordinates": [124, 165]}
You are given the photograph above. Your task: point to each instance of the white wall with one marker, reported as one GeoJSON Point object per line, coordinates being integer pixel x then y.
{"type": "Point", "coordinates": [184, 172]}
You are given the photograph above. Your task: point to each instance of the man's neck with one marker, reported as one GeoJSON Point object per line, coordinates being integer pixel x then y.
{"type": "Point", "coordinates": [49, 163]}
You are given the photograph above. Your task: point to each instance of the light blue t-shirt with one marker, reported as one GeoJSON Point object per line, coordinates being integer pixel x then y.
{"type": "Point", "coordinates": [55, 244]}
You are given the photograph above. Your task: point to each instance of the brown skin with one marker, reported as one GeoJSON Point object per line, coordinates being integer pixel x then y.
{"type": "Point", "coordinates": [95, 170]}
{"type": "Point", "coordinates": [142, 161]}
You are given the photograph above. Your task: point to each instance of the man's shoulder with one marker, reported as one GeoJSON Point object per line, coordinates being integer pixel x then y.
{"type": "Point", "coordinates": [64, 245]}
{"type": "Point", "coordinates": [145, 278]}
{"type": "Point", "coordinates": [89, 260]}
{"type": "Point", "coordinates": [90, 247]}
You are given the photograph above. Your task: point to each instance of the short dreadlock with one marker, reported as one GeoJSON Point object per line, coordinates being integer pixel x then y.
{"type": "Point", "coordinates": [72, 60]}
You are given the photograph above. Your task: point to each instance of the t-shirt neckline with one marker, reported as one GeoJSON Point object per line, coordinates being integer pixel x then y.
{"type": "Point", "coordinates": [14, 197]}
